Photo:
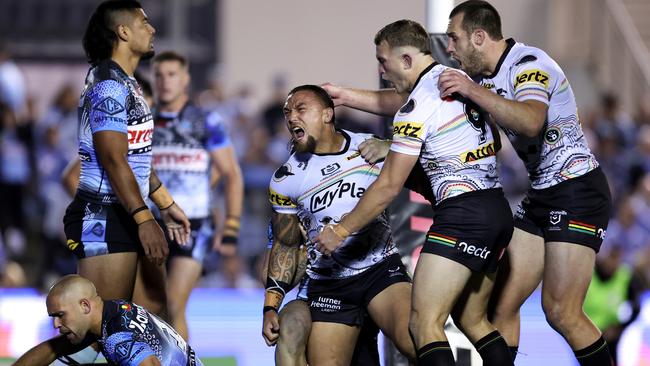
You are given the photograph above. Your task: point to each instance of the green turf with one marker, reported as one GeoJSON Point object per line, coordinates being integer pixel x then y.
{"type": "Point", "coordinates": [220, 361]}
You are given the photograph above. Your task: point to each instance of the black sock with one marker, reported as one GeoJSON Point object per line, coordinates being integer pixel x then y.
{"type": "Point", "coordinates": [436, 354]}
{"type": "Point", "coordinates": [595, 355]}
{"type": "Point", "coordinates": [513, 352]}
{"type": "Point", "coordinates": [494, 350]}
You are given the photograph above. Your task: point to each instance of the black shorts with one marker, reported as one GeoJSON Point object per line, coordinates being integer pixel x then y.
{"type": "Point", "coordinates": [94, 229]}
{"type": "Point", "coordinates": [473, 229]}
{"type": "Point", "coordinates": [200, 242]}
{"type": "Point", "coordinates": [575, 211]}
{"type": "Point", "coordinates": [346, 300]}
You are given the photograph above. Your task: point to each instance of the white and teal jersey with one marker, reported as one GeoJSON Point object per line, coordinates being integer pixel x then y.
{"type": "Point", "coordinates": [320, 189]}
{"type": "Point", "coordinates": [453, 140]}
{"type": "Point", "coordinates": [560, 151]}
{"type": "Point", "coordinates": [113, 101]}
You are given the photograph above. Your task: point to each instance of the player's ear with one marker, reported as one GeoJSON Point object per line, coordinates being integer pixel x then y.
{"type": "Point", "coordinates": [85, 306]}
{"type": "Point", "coordinates": [407, 61]}
{"type": "Point", "coordinates": [478, 37]}
{"type": "Point", "coordinates": [122, 32]}
{"type": "Point", "coordinates": [328, 115]}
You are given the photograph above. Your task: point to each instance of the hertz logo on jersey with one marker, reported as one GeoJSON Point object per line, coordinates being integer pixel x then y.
{"type": "Point", "coordinates": [277, 199]}
{"type": "Point", "coordinates": [532, 76]}
{"type": "Point", "coordinates": [408, 129]}
{"type": "Point", "coordinates": [480, 153]}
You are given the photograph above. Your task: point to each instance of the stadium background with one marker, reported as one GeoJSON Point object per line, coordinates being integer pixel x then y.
{"type": "Point", "coordinates": [245, 56]}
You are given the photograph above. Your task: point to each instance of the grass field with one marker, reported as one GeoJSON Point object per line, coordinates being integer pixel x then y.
{"type": "Point", "coordinates": [222, 361]}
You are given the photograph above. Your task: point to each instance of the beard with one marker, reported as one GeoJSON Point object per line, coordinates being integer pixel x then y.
{"type": "Point", "coordinates": [472, 64]}
{"type": "Point", "coordinates": [148, 55]}
{"type": "Point", "coordinates": [307, 147]}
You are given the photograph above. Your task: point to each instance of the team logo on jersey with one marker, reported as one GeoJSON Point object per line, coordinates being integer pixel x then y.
{"type": "Point", "coordinates": [109, 106]}
{"type": "Point", "coordinates": [330, 169]}
{"type": "Point", "coordinates": [407, 108]}
{"type": "Point", "coordinates": [283, 172]}
{"type": "Point", "coordinates": [278, 199]}
{"type": "Point", "coordinates": [337, 190]}
{"type": "Point", "coordinates": [98, 229]}
{"type": "Point", "coordinates": [408, 129]}
{"type": "Point", "coordinates": [480, 153]}
{"type": "Point", "coordinates": [525, 59]}
{"type": "Point", "coordinates": [123, 349]}
{"type": "Point", "coordinates": [532, 76]}
{"type": "Point", "coordinates": [554, 218]}
{"type": "Point", "coordinates": [552, 135]}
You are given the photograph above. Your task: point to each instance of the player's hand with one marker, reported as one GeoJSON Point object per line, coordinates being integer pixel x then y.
{"type": "Point", "coordinates": [271, 328]}
{"type": "Point", "coordinates": [453, 81]}
{"type": "Point", "coordinates": [327, 240]}
{"type": "Point", "coordinates": [336, 93]}
{"type": "Point", "coordinates": [226, 250]}
{"type": "Point", "coordinates": [374, 150]}
{"type": "Point", "coordinates": [153, 241]}
{"type": "Point", "coordinates": [177, 224]}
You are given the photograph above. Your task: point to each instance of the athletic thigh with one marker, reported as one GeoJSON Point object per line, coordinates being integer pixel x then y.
{"type": "Point", "coordinates": [113, 274]}
{"type": "Point", "coordinates": [331, 344]}
{"type": "Point", "coordinates": [150, 287]}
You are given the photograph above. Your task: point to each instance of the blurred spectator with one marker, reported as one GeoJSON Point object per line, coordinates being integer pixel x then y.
{"type": "Point", "coordinates": [232, 274]}
{"type": "Point", "coordinates": [15, 175]}
{"type": "Point", "coordinates": [624, 230]}
{"type": "Point", "coordinates": [273, 112]}
{"type": "Point", "coordinates": [613, 122]}
{"type": "Point", "coordinates": [612, 299]}
{"type": "Point", "coordinates": [12, 82]}
{"type": "Point", "coordinates": [63, 116]}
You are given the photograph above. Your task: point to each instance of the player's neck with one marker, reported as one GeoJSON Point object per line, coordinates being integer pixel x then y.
{"type": "Point", "coordinates": [420, 64]}
{"type": "Point", "coordinates": [96, 320]}
{"type": "Point", "coordinates": [127, 61]}
{"type": "Point", "coordinates": [174, 106]}
{"type": "Point", "coordinates": [330, 145]}
{"type": "Point", "coordinates": [494, 53]}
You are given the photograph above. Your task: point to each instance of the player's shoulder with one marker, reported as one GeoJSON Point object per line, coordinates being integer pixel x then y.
{"type": "Point", "coordinates": [290, 170]}
{"type": "Point", "coordinates": [523, 56]}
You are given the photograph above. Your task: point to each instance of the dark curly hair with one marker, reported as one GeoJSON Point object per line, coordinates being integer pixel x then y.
{"type": "Point", "coordinates": [100, 37]}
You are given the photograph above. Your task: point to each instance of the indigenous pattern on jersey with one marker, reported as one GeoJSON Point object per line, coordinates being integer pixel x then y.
{"type": "Point", "coordinates": [130, 334]}
{"type": "Point", "coordinates": [560, 151]}
{"type": "Point", "coordinates": [113, 101]}
{"type": "Point", "coordinates": [456, 146]}
{"type": "Point", "coordinates": [181, 155]}
{"type": "Point", "coordinates": [320, 189]}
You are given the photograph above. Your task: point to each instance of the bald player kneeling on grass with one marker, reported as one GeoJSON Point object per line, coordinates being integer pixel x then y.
{"type": "Point", "coordinates": [128, 335]}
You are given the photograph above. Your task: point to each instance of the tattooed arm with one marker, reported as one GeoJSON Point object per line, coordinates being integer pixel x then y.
{"type": "Point", "coordinates": [287, 264]}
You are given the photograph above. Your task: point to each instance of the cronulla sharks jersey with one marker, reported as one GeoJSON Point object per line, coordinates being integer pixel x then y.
{"type": "Point", "coordinates": [130, 334]}
{"type": "Point", "coordinates": [320, 189]}
{"type": "Point", "coordinates": [113, 101]}
{"type": "Point", "coordinates": [456, 146]}
{"type": "Point", "coordinates": [181, 155]}
{"type": "Point", "coordinates": [560, 151]}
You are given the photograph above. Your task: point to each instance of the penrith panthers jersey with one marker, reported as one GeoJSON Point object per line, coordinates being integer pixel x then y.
{"type": "Point", "coordinates": [320, 189]}
{"type": "Point", "coordinates": [113, 101]}
{"type": "Point", "coordinates": [560, 151]}
{"type": "Point", "coordinates": [456, 145]}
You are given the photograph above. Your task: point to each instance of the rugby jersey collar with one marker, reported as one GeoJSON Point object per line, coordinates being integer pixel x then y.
{"type": "Point", "coordinates": [510, 43]}
{"type": "Point", "coordinates": [427, 69]}
{"type": "Point", "coordinates": [345, 148]}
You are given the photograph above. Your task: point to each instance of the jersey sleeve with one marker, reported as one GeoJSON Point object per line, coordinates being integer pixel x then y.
{"type": "Point", "coordinates": [108, 111]}
{"type": "Point", "coordinates": [533, 79]}
{"type": "Point", "coordinates": [411, 124]}
{"type": "Point", "coordinates": [124, 349]}
{"type": "Point", "coordinates": [280, 192]}
{"type": "Point", "coordinates": [217, 135]}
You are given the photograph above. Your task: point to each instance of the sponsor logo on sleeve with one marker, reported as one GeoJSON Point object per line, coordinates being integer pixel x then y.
{"type": "Point", "coordinates": [278, 199]}
{"type": "Point", "coordinates": [532, 76]}
{"type": "Point", "coordinates": [408, 129]}
{"type": "Point", "coordinates": [109, 106]}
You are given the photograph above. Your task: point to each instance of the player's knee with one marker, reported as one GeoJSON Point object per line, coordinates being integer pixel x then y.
{"type": "Point", "coordinates": [560, 315]}
{"type": "Point", "coordinates": [295, 325]}
{"type": "Point", "coordinates": [420, 321]}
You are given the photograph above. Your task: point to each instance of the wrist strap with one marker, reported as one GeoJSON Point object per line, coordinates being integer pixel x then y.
{"type": "Point", "coordinates": [141, 215]}
{"type": "Point", "coordinates": [161, 197]}
{"type": "Point", "coordinates": [340, 230]}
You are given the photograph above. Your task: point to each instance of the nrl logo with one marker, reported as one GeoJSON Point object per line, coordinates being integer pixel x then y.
{"type": "Point", "coordinates": [556, 216]}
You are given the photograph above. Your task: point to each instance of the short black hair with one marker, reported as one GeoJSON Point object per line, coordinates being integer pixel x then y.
{"type": "Point", "coordinates": [320, 93]}
{"type": "Point", "coordinates": [171, 56]}
{"type": "Point", "coordinates": [99, 37]}
{"type": "Point", "coordinates": [405, 32]}
{"type": "Point", "coordinates": [479, 14]}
